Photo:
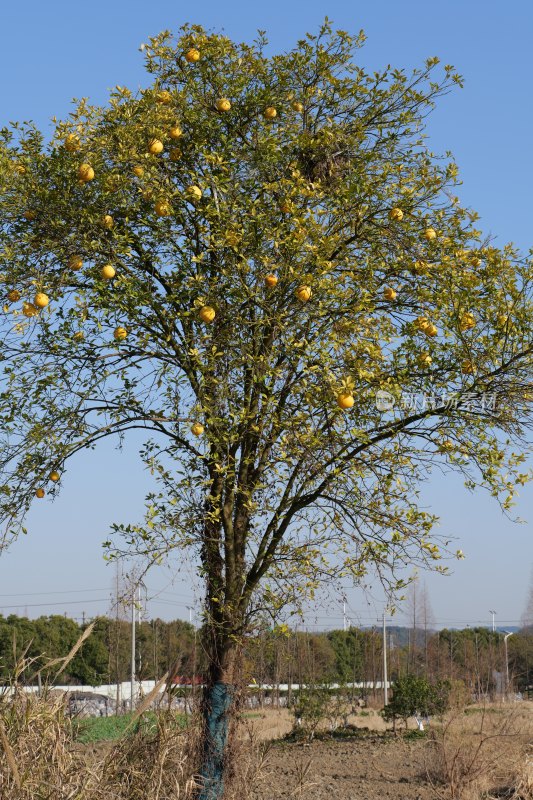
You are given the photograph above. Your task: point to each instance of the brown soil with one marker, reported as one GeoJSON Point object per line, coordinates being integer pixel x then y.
{"type": "Point", "coordinates": [372, 768]}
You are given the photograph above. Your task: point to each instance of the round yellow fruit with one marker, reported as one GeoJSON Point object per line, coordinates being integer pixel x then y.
{"type": "Point", "coordinates": [468, 367]}
{"type": "Point", "coordinates": [422, 323]}
{"type": "Point", "coordinates": [430, 234]}
{"type": "Point", "coordinates": [297, 106]}
{"type": "Point", "coordinates": [389, 293]}
{"type": "Point", "coordinates": [41, 300]}
{"type": "Point", "coordinates": [13, 296]}
{"type": "Point", "coordinates": [424, 359]}
{"type": "Point", "coordinates": [155, 146]}
{"type": "Point", "coordinates": [163, 208]}
{"type": "Point", "coordinates": [175, 154]}
{"type": "Point", "coordinates": [223, 104]}
{"type": "Point", "coordinates": [21, 169]}
{"type": "Point", "coordinates": [107, 272]}
{"type": "Point", "coordinates": [40, 493]}
{"type": "Point", "coordinates": [271, 280]}
{"type": "Point", "coordinates": [194, 193]}
{"type": "Point", "coordinates": [29, 310]}
{"type": "Point", "coordinates": [345, 400]}
{"type": "Point", "coordinates": [138, 170]}
{"type": "Point", "coordinates": [75, 262]}
{"type": "Point", "coordinates": [79, 336]}
{"type": "Point", "coordinates": [107, 221]}
{"type": "Point", "coordinates": [54, 476]}
{"type": "Point", "coordinates": [303, 293]}
{"type": "Point", "coordinates": [396, 214]}
{"type": "Point", "coordinates": [85, 173]}
{"type": "Point", "coordinates": [192, 55]}
{"type": "Point", "coordinates": [120, 333]}
{"type": "Point", "coordinates": [467, 321]}
{"type": "Point", "coordinates": [164, 97]}
{"type": "Point", "coordinates": [270, 112]}
{"type": "Point", "coordinates": [431, 330]}
{"type": "Point", "coordinates": [207, 313]}
{"type": "Point", "coordinates": [175, 132]}
{"type": "Point", "coordinates": [72, 143]}
{"type": "Point", "coordinates": [197, 429]}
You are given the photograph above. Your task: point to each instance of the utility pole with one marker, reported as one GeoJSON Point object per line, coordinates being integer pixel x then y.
{"type": "Point", "coordinates": [132, 676]}
{"type": "Point", "coordinates": [385, 675]}
{"type": "Point", "coordinates": [493, 623]}
{"type": "Point", "coordinates": [506, 663]}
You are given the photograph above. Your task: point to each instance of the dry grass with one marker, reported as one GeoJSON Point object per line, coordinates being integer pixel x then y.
{"type": "Point", "coordinates": [483, 755]}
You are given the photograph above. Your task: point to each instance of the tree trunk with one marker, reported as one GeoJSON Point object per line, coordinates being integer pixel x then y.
{"type": "Point", "coordinates": [218, 703]}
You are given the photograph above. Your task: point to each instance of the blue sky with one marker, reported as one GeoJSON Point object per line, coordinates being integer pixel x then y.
{"type": "Point", "coordinates": [55, 51]}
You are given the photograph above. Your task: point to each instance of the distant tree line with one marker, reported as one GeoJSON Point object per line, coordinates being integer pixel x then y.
{"type": "Point", "coordinates": [474, 656]}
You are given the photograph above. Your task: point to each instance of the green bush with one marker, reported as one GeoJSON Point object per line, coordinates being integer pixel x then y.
{"type": "Point", "coordinates": [416, 696]}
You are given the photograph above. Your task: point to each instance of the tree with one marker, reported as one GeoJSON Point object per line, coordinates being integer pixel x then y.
{"type": "Point", "coordinates": [258, 262]}
{"type": "Point", "coordinates": [415, 696]}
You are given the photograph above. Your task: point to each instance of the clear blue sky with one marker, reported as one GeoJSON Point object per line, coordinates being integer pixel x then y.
{"type": "Point", "coordinates": [54, 51]}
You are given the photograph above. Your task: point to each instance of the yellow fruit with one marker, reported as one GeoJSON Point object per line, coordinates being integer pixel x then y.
{"type": "Point", "coordinates": [207, 313]}
{"type": "Point", "coordinates": [175, 132]}
{"type": "Point", "coordinates": [164, 97]}
{"type": "Point", "coordinates": [120, 333]}
{"type": "Point", "coordinates": [194, 193]}
{"type": "Point", "coordinates": [192, 55]}
{"type": "Point", "coordinates": [271, 280]}
{"type": "Point", "coordinates": [163, 208]}
{"type": "Point", "coordinates": [107, 221]}
{"type": "Point", "coordinates": [29, 310]}
{"type": "Point", "coordinates": [424, 359]}
{"type": "Point", "coordinates": [223, 104]}
{"type": "Point", "coordinates": [422, 323]}
{"type": "Point", "coordinates": [79, 336]}
{"type": "Point", "coordinates": [396, 214]}
{"type": "Point", "coordinates": [54, 476]}
{"type": "Point", "coordinates": [138, 170]}
{"type": "Point", "coordinates": [75, 262]}
{"type": "Point", "coordinates": [175, 154]}
{"type": "Point", "coordinates": [270, 112]}
{"type": "Point", "coordinates": [41, 300]}
{"type": "Point", "coordinates": [40, 493]}
{"type": "Point", "coordinates": [85, 173]}
{"type": "Point", "coordinates": [21, 169]}
{"type": "Point", "coordinates": [13, 296]}
{"type": "Point", "coordinates": [468, 367]}
{"type": "Point", "coordinates": [303, 293]}
{"type": "Point", "coordinates": [389, 293]}
{"type": "Point", "coordinates": [197, 428]}
{"type": "Point", "coordinates": [107, 272]}
{"type": "Point", "coordinates": [72, 143]}
{"type": "Point", "coordinates": [467, 321]}
{"type": "Point", "coordinates": [297, 106]}
{"type": "Point", "coordinates": [430, 234]}
{"type": "Point", "coordinates": [155, 146]}
{"type": "Point", "coordinates": [431, 330]}
{"type": "Point", "coordinates": [29, 215]}
{"type": "Point", "coordinates": [345, 400]}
